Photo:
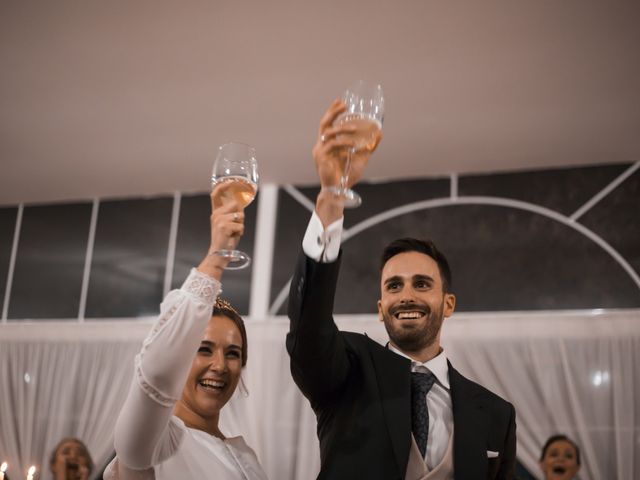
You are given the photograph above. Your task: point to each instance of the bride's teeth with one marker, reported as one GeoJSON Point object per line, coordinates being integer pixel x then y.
{"type": "Point", "coordinates": [211, 383]}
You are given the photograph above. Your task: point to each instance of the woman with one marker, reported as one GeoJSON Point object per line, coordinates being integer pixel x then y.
{"type": "Point", "coordinates": [70, 460]}
{"type": "Point", "coordinates": [187, 370]}
{"type": "Point", "coordinates": [560, 458]}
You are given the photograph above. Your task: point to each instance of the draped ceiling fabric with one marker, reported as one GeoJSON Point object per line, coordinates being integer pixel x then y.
{"type": "Point", "coordinates": [575, 373]}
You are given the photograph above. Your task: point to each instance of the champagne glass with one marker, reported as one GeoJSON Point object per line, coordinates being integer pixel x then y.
{"type": "Point", "coordinates": [365, 112]}
{"type": "Point", "coordinates": [234, 178]}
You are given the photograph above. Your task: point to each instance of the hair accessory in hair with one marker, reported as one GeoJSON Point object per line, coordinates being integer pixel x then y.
{"type": "Point", "coordinates": [222, 304]}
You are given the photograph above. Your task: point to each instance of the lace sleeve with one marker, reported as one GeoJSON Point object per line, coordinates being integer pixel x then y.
{"type": "Point", "coordinates": [161, 369]}
{"type": "Point", "coordinates": [202, 286]}
{"type": "Point", "coordinates": [163, 362]}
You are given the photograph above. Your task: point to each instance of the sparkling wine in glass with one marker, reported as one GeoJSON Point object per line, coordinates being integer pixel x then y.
{"type": "Point", "coordinates": [234, 178]}
{"type": "Point", "coordinates": [365, 112]}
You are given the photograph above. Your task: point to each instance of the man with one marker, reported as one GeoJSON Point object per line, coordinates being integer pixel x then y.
{"type": "Point", "coordinates": [399, 411]}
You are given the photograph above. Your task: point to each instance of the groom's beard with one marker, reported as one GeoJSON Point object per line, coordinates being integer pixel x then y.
{"type": "Point", "coordinates": [413, 335]}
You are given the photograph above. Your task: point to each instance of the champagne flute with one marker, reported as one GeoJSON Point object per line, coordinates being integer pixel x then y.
{"type": "Point", "coordinates": [234, 178]}
{"type": "Point", "coordinates": [365, 112]}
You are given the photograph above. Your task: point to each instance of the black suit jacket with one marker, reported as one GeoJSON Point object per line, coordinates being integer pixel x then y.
{"type": "Point", "coordinates": [361, 394]}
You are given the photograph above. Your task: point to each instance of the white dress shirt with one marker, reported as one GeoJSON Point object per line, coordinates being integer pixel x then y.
{"type": "Point", "coordinates": [324, 246]}
{"type": "Point", "coordinates": [319, 244]}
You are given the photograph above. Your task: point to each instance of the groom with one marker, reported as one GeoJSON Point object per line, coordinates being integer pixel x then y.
{"type": "Point", "coordinates": [399, 411]}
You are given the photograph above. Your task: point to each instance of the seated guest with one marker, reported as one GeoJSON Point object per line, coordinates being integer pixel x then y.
{"type": "Point", "coordinates": [70, 460]}
{"type": "Point", "coordinates": [186, 371]}
{"type": "Point", "coordinates": [560, 458]}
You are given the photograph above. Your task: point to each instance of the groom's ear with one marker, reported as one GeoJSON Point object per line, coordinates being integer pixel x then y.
{"type": "Point", "coordinates": [449, 304]}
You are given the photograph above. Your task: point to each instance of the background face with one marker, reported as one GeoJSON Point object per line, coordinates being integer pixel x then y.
{"type": "Point", "coordinates": [560, 462]}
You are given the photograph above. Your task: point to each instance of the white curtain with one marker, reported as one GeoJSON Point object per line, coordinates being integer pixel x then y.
{"type": "Point", "coordinates": [565, 374]}
{"type": "Point", "coordinates": [573, 373]}
{"type": "Point", "coordinates": [61, 380]}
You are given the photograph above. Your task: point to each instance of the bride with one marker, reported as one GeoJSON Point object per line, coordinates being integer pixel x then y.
{"type": "Point", "coordinates": [187, 370]}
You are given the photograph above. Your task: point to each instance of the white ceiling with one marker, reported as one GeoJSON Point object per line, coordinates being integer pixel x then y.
{"type": "Point", "coordinates": [120, 98]}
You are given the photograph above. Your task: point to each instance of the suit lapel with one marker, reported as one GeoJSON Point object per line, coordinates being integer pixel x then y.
{"type": "Point", "coordinates": [394, 383]}
{"type": "Point", "coordinates": [469, 428]}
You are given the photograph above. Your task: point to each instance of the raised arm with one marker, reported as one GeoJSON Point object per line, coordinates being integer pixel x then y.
{"type": "Point", "coordinates": [142, 436]}
{"type": "Point", "coordinates": [319, 358]}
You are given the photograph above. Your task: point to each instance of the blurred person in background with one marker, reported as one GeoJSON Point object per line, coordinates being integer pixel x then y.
{"type": "Point", "coordinates": [560, 458]}
{"type": "Point", "coordinates": [71, 460]}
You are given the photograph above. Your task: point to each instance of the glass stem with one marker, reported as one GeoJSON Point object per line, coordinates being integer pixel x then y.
{"type": "Point", "coordinates": [344, 179]}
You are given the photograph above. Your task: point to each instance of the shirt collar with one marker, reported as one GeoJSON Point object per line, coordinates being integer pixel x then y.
{"type": "Point", "coordinates": [437, 365]}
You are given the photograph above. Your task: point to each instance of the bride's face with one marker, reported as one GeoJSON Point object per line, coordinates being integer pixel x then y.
{"type": "Point", "coordinates": [216, 368]}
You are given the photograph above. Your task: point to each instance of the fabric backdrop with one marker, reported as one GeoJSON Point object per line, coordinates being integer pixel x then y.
{"type": "Point", "coordinates": [575, 373]}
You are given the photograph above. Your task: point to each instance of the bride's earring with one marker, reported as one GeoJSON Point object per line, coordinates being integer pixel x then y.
{"type": "Point", "coordinates": [244, 391]}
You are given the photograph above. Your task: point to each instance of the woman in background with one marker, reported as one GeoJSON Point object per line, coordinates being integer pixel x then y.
{"type": "Point", "coordinates": [71, 460]}
{"type": "Point", "coordinates": [187, 370]}
{"type": "Point", "coordinates": [560, 458]}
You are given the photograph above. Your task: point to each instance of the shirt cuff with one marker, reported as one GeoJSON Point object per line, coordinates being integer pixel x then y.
{"type": "Point", "coordinates": [322, 245]}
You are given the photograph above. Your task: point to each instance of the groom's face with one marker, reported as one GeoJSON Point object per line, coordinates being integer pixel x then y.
{"type": "Point", "coordinates": [412, 302]}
